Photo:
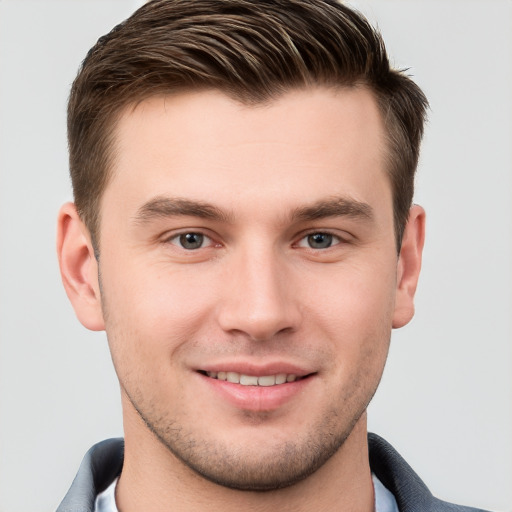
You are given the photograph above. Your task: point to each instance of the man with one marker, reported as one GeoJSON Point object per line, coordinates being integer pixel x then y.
{"type": "Point", "coordinates": [243, 230]}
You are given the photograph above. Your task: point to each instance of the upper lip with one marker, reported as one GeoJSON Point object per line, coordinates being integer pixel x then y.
{"type": "Point", "coordinates": [256, 369]}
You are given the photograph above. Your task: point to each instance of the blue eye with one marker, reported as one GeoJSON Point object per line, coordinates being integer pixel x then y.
{"type": "Point", "coordinates": [319, 241]}
{"type": "Point", "coordinates": [190, 241]}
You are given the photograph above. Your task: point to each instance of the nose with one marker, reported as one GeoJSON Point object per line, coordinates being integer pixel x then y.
{"type": "Point", "coordinates": [258, 299]}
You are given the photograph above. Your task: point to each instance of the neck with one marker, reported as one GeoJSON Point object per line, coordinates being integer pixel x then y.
{"type": "Point", "coordinates": [153, 479]}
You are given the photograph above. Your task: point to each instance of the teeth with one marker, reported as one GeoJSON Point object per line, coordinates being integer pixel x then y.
{"type": "Point", "coordinates": [280, 378]}
{"type": "Point", "coordinates": [248, 380]}
{"type": "Point", "coordinates": [268, 380]}
{"type": "Point", "coordinates": [251, 380]}
{"type": "Point", "coordinates": [233, 377]}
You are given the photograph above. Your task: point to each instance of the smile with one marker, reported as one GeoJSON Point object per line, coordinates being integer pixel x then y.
{"type": "Point", "coordinates": [252, 380]}
{"type": "Point", "coordinates": [252, 388]}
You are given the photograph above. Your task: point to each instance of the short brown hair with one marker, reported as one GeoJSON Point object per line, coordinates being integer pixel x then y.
{"type": "Point", "coordinates": [252, 50]}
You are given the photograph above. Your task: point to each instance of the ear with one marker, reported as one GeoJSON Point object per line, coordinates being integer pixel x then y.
{"type": "Point", "coordinates": [409, 265]}
{"type": "Point", "coordinates": [79, 268]}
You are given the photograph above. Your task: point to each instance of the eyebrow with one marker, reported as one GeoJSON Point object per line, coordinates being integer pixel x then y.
{"type": "Point", "coordinates": [334, 207]}
{"type": "Point", "coordinates": [162, 207]}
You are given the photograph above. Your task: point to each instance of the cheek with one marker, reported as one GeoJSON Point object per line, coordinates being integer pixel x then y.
{"type": "Point", "coordinates": [155, 298]}
{"type": "Point", "coordinates": [151, 314]}
{"type": "Point", "coordinates": [354, 310]}
{"type": "Point", "coordinates": [353, 298]}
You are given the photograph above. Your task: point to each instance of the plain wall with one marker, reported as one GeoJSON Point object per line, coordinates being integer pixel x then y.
{"type": "Point", "coordinates": [446, 397]}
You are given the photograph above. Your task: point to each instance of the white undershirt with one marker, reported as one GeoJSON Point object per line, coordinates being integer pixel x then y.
{"type": "Point", "coordinates": [106, 500]}
{"type": "Point", "coordinates": [384, 500]}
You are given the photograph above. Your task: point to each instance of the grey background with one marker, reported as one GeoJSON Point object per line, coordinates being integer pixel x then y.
{"type": "Point", "coordinates": [446, 398]}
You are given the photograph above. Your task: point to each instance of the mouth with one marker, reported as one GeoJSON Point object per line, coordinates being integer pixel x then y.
{"type": "Point", "coordinates": [257, 388]}
{"type": "Point", "coordinates": [253, 380]}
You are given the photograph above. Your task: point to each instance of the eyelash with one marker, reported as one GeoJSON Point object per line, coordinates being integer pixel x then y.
{"type": "Point", "coordinates": [180, 239]}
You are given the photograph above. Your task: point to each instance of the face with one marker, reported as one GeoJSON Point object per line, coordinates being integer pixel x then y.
{"type": "Point", "coordinates": [249, 277]}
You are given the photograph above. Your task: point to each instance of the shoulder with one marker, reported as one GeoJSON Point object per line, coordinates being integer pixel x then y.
{"type": "Point", "coordinates": [100, 466]}
{"type": "Point", "coordinates": [411, 493]}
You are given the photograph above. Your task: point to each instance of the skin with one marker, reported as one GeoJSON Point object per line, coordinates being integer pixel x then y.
{"type": "Point", "coordinates": [297, 270]}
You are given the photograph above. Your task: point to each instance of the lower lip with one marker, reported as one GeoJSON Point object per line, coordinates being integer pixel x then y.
{"type": "Point", "coordinates": [257, 398]}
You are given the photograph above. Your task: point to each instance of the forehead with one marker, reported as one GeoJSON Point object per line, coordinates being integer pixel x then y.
{"type": "Point", "coordinates": [204, 144]}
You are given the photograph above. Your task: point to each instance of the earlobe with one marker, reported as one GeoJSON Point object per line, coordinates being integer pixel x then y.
{"type": "Point", "coordinates": [79, 268]}
{"type": "Point", "coordinates": [409, 266]}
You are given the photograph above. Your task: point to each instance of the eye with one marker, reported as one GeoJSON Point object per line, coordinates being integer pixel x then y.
{"type": "Point", "coordinates": [190, 241]}
{"type": "Point", "coordinates": [319, 240]}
